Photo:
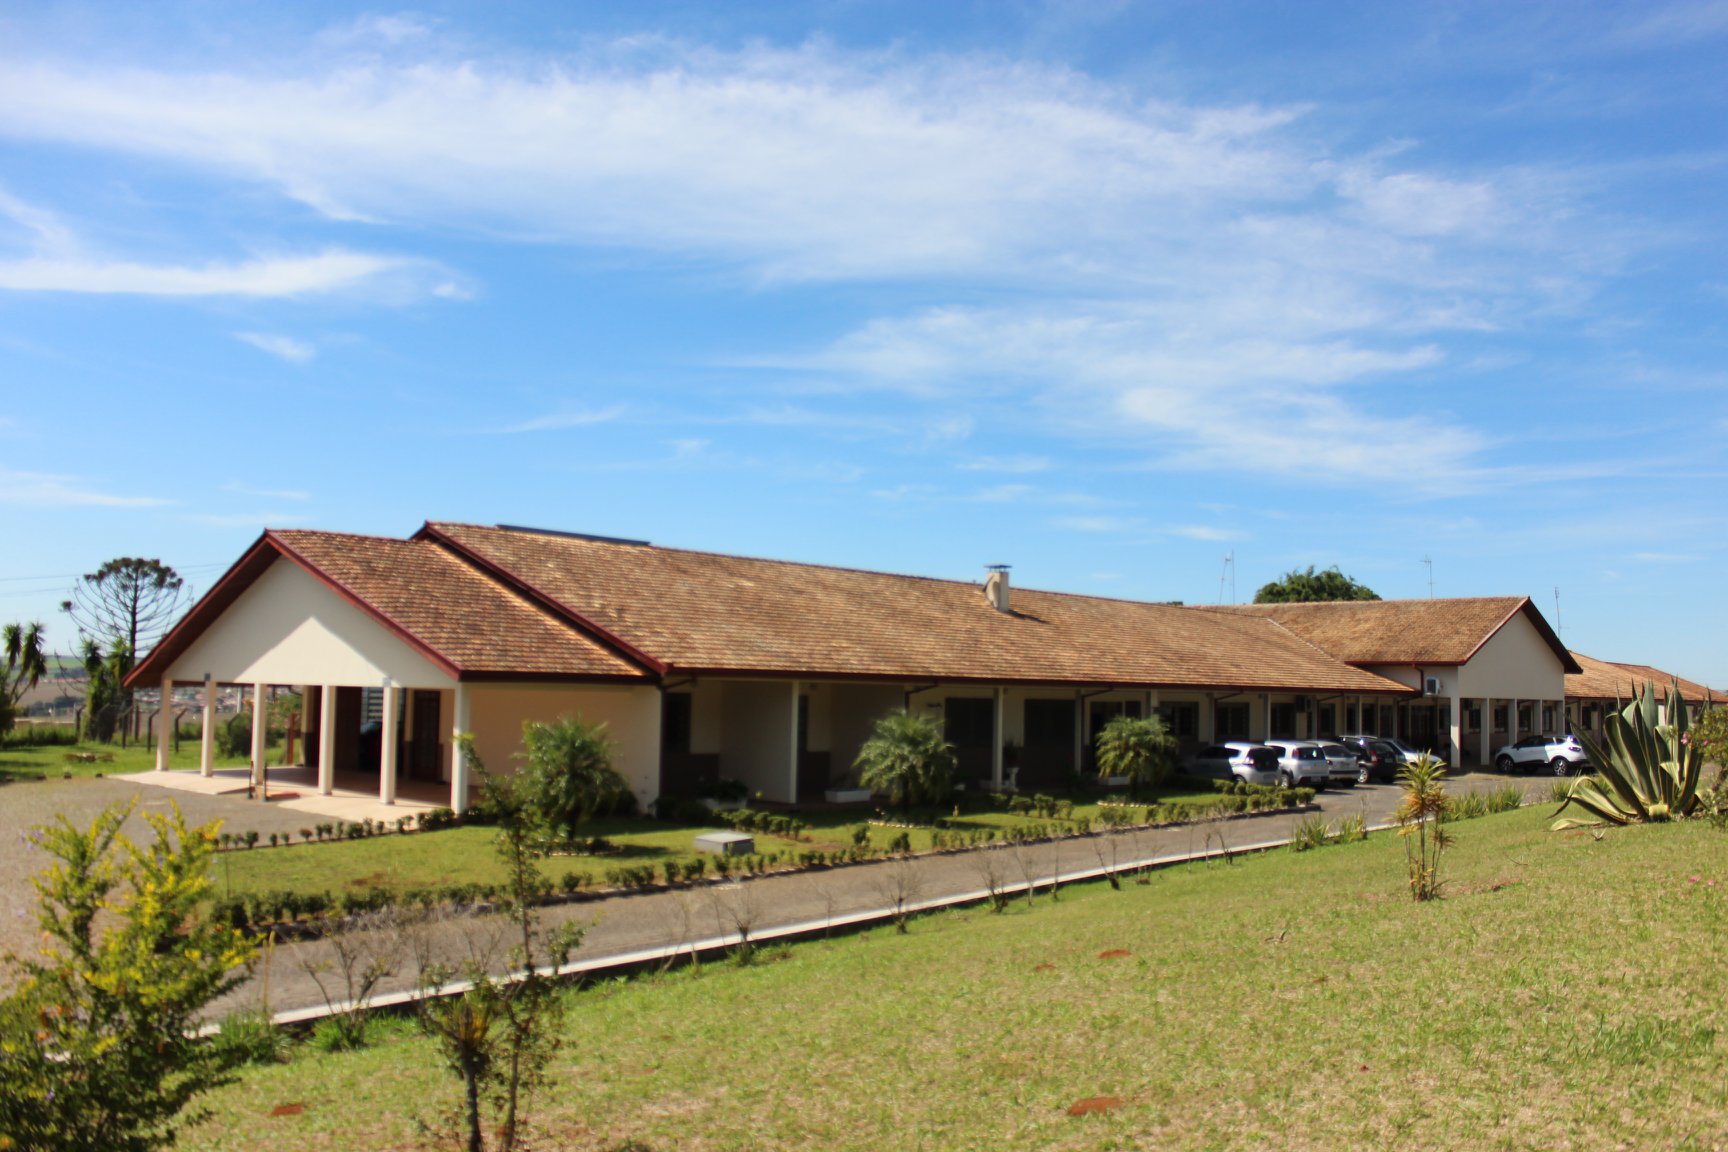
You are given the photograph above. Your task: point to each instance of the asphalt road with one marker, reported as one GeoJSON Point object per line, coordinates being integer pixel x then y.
{"type": "Point", "coordinates": [624, 924]}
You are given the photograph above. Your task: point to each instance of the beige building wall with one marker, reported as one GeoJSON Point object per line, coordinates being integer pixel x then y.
{"type": "Point", "coordinates": [1515, 664]}
{"type": "Point", "coordinates": [289, 628]}
{"type": "Point", "coordinates": [756, 736]}
{"type": "Point", "coordinates": [631, 715]}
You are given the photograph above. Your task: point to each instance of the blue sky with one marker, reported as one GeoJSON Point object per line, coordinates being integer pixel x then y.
{"type": "Point", "coordinates": [1106, 291]}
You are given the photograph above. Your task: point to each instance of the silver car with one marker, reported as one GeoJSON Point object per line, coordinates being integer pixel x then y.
{"type": "Point", "coordinates": [1242, 760]}
{"type": "Point", "coordinates": [1343, 766]}
{"type": "Point", "coordinates": [1301, 762]}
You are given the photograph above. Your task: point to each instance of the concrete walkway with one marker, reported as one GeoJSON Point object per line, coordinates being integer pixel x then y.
{"type": "Point", "coordinates": [354, 797]}
{"type": "Point", "coordinates": [628, 930]}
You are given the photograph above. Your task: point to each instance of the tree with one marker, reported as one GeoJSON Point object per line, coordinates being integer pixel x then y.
{"type": "Point", "coordinates": [1306, 586]}
{"type": "Point", "coordinates": [129, 601]}
{"type": "Point", "coordinates": [907, 757]}
{"type": "Point", "coordinates": [1140, 748]}
{"type": "Point", "coordinates": [499, 1036]}
{"type": "Point", "coordinates": [98, 1040]}
{"type": "Point", "coordinates": [26, 664]}
{"type": "Point", "coordinates": [569, 777]}
{"type": "Point", "coordinates": [134, 599]}
{"type": "Point", "coordinates": [104, 698]}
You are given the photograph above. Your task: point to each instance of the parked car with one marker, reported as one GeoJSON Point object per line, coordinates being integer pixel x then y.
{"type": "Point", "coordinates": [1343, 766]}
{"type": "Point", "coordinates": [1301, 762]}
{"type": "Point", "coordinates": [1411, 755]}
{"type": "Point", "coordinates": [1376, 759]}
{"type": "Point", "coordinates": [1242, 760]}
{"type": "Point", "coordinates": [1561, 755]}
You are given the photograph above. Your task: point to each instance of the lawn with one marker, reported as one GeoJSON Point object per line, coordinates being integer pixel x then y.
{"type": "Point", "coordinates": [56, 760]}
{"type": "Point", "coordinates": [467, 855]}
{"type": "Point", "coordinates": [1568, 992]}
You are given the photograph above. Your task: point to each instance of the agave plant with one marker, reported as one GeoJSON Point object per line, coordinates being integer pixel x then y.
{"type": "Point", "coordinates": [1645, 773]}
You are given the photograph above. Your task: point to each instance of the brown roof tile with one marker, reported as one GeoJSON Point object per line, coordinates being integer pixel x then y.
{"type": "Point", "coordinates": [700, 611]}
{"type": "Point", "coordinates": [458, 612]}
{"type": "Point", "coordinates": [1606, 680]}
{"type": "Point", "coordinates": [1396, 631]}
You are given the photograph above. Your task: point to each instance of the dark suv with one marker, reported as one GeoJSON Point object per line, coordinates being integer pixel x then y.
{"type": "Point", "coordinates": [1376, 759]}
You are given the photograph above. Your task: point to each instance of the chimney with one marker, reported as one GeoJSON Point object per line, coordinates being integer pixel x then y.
{"type": "Point", "coordinates": [996, 587]}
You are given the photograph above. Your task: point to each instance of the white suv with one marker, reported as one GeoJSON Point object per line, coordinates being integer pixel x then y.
{"type": "Point", "coordinates": [1301, 762]}
{"type": "Point", "coordinates": [1561, 755]}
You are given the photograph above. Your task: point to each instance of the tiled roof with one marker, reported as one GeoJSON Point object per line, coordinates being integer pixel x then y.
{"type": "Point", "coordinates": [1398, 631]}
{"type": "Point", "coordinates": [463, 615]}
{"type": "Point", "coordinates": [705, 612]}
{"type": "Point", "coordinates": [1605, 680]}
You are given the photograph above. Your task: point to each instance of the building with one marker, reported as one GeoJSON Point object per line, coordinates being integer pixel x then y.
{"type": "Point", "coordinates": [1600, 686]}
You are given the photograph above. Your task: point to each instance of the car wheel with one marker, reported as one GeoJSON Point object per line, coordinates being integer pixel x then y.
{"type": "Point", "coordinates": [1364, 775]}
{"type": "Point", "coordinates": [1561, 766]}
{"type": "Point", "coordinates": [1287, 780]}
{"type": "Point", "coordinates": [1504, 764]}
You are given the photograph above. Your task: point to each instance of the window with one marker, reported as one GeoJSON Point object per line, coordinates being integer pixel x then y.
{"type": "Point", "coordinates": [1182, 719]}
{"type": "Point", "coordinates": [1326, 719]}
{"type": "Point", "coordinates": [1284, 720]}
{"type": "Point", "coordinates": [1526, 713]}
{"type": "Point", "coordinates": [1473, 717]}
{"type": "Point", "coordinates": [969, 723]}
{"type": "Point", "coordinates": [1500, 717]}
{"type": "Point", "coordinates": [675, 723]}
{"type": "Point", "coordinates": [1231, 721]}
{"type": "Point", "coordinates": [1547, 717]}
{"type": "Point", "coordinates": [1050, 724]}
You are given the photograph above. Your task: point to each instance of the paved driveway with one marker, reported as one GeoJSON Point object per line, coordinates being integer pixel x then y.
{"type": "Point", "coordinates": [630, 923]}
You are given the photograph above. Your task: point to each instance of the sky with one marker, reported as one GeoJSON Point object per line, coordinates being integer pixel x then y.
{"type": "Point", "coordinates": [1148, 300]}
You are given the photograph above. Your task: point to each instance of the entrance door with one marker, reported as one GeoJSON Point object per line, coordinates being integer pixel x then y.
{"type": "Point", "coordinates": [424, 758]}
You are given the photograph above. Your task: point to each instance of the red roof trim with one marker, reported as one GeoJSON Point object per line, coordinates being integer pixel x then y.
{"type": "Point", "coordinates": [523, 587]}
{"type": "Point", "coordinates": [1540, 623]}
{"type": "Point", "coordinates": [402, 632]}
{"type": "Point", "coordinates": [265, 551]}
{"type": "Point", "coordinates": [1393, 687]}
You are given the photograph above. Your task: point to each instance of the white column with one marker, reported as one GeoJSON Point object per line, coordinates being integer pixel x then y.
{"type": "Point", "coordinates": [792, 750]}
{"type": "Point", "coordinates": [207, 736]}
{"type": "Point", "coordinates": [165, 725]}
{"type": "Point", "coordinates": [996, 767]}
{"type": "Point", "coordinates": [1512, 729]}
{"type": "Point", "coordinates": [1482, 736]}
{"type": "Point", "coordinates": [327, 740]}
{"type": "Point", "coordinates": [1457, 725]}
{"type": "Point", "coordinates": [389, 751]}
{"type": "Point", "coordinates": [260, 725]}
{"type": "Point", "coordinates": [458, 761]}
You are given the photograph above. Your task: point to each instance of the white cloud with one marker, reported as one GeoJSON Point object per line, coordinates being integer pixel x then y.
{"type": "Point", "coordinates": [1103, 524]}
{"type": "Point", "coordinates": [283, 347]}
{"type": "Point", "coordinates": [555, 421]}
{"type": "Point", "coordinates": [47, 490]}
{"type": "Point", "coordinates": [1203, 532]}
{"type": "Point", "coordinates": [1014, 465]}
{"type": "Point", "coordinates": [265, 493]}
{"type": "Point", "coordinates": [288, 276]}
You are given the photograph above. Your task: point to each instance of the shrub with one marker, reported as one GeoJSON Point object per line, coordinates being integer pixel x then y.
{"type": "Point", "coordinates": [249, 1038]}
{"type": "Point", "coordinates": [1646, 772]}
{"type": "Point", "coordinates": [1140, 748]}
{"type": "Point", "coordinates": [1310, 832]}
{"type": "Point", "coordinates": [907, 758]}
{"type": "Point", "coordinates": [569, 777]}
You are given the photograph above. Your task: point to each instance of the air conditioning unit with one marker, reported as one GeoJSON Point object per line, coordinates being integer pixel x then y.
{"type": "Point", "coordinates": [1431, 686]}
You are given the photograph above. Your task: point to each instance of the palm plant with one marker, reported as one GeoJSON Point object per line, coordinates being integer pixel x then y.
{"type": "Point", "coordinates": [1420, 814]}
{"type": "Point", "coordinates": [1646, 772]}
{"type": "Point", "coordinates": [1140, 748]}
{"type": "Point", "coordinates": [569, 776]}
{"type": "Point", "coordinates": [908, 758]}
{"type": "Point", "coordinates": [25, 665]}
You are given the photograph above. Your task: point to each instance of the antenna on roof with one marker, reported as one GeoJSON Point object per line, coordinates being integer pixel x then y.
{"type": "Point", "coordinates": [1429, 560]}
{"type": "Point", "coordinates": [1559, 628]}
{"type": "Point", "coordinates": [1228, 572]}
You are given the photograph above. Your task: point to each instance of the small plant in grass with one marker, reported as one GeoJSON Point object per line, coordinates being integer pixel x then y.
{"type": "Point", "coordinates": [1310, 832]}
{"type": "Point", "coordinates": [1646, 771]}
{"type": "Point", "coordinates": [1421, 814]}
{"type": "Point", "coordinates": [1352, 829]}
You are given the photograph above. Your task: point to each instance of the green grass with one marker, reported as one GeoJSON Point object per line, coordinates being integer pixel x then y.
{"type": "Point", "coordinates": [54, 760]}
{"type": "Point", "coordinates": [466, 855]}
{"type": "Point", "coordinates": [1568, 992]}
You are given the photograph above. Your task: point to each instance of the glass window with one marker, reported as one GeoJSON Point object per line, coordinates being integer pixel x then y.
{"type": "Point", "coordinates": [1232, 721]}
{"type": "Point", "coordinates": [969, 723]}
{"type": "Point", "coordinates": [1050, 724]}
{"type": "Point", "coordinates": [675, 723]}
{"type": "Point", "coordinates": [1284, 720]}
